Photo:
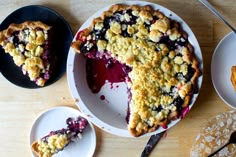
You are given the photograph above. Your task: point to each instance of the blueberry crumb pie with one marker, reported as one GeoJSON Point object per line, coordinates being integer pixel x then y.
{"type": "Point", "coordinates": [57, 140]}
{"type": "Point", "coordinates": [29, 44]}
{"type": "Point", "coordinates": [162, 68]}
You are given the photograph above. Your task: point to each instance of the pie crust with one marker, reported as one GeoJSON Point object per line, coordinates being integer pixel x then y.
{"type": "Point", "coordinates": [233, 77]}
{"type": "Point", "coordinates": [57, 140]}
{"type": "Point", "coordinates": [164, 71]}
{"type": "Point", "coordinates": [29, 45]}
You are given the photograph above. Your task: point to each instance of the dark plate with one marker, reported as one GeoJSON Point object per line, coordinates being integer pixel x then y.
{"type": "Point", "coordinates": [62, 38]}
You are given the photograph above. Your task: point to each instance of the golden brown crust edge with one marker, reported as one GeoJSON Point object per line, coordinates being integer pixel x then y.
{"type": "Point", "coordinates": [233, 77]}
{"type": "Point", "coordinates": [137, 133]}
{"type": "Point", "coordinates": [17, 27]}
{"type": "Point", "coordinates": [34, 148]}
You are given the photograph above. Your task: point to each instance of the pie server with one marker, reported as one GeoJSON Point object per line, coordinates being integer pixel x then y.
{"type": "Point", "coordinates": [153, 140]}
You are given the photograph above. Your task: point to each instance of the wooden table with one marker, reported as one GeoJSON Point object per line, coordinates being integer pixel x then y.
{"type": "Point", "coordinates": [19, 107]}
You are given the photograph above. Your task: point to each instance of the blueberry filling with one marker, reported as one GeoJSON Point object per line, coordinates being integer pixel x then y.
{"type": "Point", "coordinates": [88, 47]}
{"type": "Point", "coordinates": [170, 44]}
{"type": "Point", "coordinates": [190, 73]}
{"type": "Point", "coordinates": [148, 25]}
{"type": "Point", "coordinates": [158, 109]}
{"type": "Point", "coordinates": [182, 41]}
{"type": "Point", "coordinates": [107, 21]}
{"type": "Point", "coordinates": [127, 115]}
{"type": "Point", "coordinates": [15, 38]}
{"type": "Point", "coordinates": [84, 49]}
{"type": "Point", "coordinates": [125, 33]}
{"type": "Point", "coordinates": [100, 34]}
{"type": "Point", "coordinates": [179, 76]}
{"type": "Point", "coordinates": [133, 19]}
{"type": "Point", "coordinates": [109, 63]}
{"type": "Point", "coordinates": [174, 24]}
{"type": "Point", "coordinates": [75, 126]}
{"type": "Point", "coordinates": [101, 70]}
{"type": "Point", "coordinates": [126, 69]}
{"type": "Point", "coordinates": [178, 102]}
{"type": "Point", "coordinates": [186, 77]}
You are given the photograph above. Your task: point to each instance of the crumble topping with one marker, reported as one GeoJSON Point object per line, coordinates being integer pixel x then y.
{"type": "Point", "coordinates": [164, 68]}
{"type": "Point", "coordinates": [57, 140]}
{"type": "Point", "coordinates": [27, 43]}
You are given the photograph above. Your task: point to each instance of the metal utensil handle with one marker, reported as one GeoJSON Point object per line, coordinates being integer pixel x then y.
{"type": "Point", "coordinates": [209, 6]}
{"type": "Point", "coordinates": [152, 142]}
{"type": "Point", "coordinates": [214, 153]}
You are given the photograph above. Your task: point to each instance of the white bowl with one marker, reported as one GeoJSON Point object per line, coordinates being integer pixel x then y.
{"type": "Point", "coordinates": [110, 114]}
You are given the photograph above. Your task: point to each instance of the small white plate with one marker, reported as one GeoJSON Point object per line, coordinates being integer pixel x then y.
{"type": "Point", "coordinates": [55, 119]}
{"type": "Point", "coordinates": [223, 59]}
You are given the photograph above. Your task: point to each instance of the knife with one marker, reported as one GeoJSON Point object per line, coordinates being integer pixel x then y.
{"type": "Point", "coordinates": [153, 140]}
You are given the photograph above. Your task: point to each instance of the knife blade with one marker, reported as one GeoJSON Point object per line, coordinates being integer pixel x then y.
{"type": "Point", "coordinates": [153, 140]}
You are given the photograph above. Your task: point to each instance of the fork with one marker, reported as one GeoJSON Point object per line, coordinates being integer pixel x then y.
{"type": "Point", "coordinates": [231, 140]}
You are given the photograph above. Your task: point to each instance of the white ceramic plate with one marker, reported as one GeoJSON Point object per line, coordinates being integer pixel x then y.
{"type": "Point", "coordinates": [55, 119]}
{"type": "Point", "coordinates": [110, 114]}
{"type": "Point", "coordinates": [223, 59]}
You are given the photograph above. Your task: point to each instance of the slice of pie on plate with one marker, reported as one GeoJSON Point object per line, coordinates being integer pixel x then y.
{"type": "Point", "coordinates": [164, 69]}
{"type": "Point", "coordinates": [233, 77]}
{"type": "Point", "coordinates": [57, 140]}
{"type": "Point", "coordinates": [29, 44]}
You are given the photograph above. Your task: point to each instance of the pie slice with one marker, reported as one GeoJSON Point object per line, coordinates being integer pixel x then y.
{"type": "Point", "coordinates": [29, 44]}
{"type": "Point", "coordinates": [163, 70]}
{"type": "Point", "coordinates": [57, 140]}
{"type": "Point", "coordinates": [233, 77]}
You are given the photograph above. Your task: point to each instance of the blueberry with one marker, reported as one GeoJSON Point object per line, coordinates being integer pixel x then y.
{"type": "Point", "coordinates": [178, 102]}
{"type": "Point", "coordinates": [69, 121]}
{"type": "Point", "coordinates": [182, 41]}
{"type": "Point", "coordinates": [125, 33]}
{"type": "Point", "coordinates": [170, 44]}
{"type": "Point", "coordinates": [126, 69]}
{"type": "Point", "coordinates": [154, 19]}
{"type": "Point", "coordinates": [15, 38]}
{"type": "Point", "coordinates": [190, 73]}
{"type": "Point", "coordinates": [107, 21]}
{"type": "Point", "coordinates": [109, 63]}
{"type": "Point", "coordinates": [180, 76]}
{"type": "Point", "coordinates": [117, 17]}
{"type": "Point", "coordinates": [129, 11]}
{"type": "Point", "coordinates": [147, 26]}
{"type": "Point", "coordinates": [100, 34]}
{"type": "Point", "coordinates": [83, 49]}
{"type": "Point", "coordinates": [158, 109]}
